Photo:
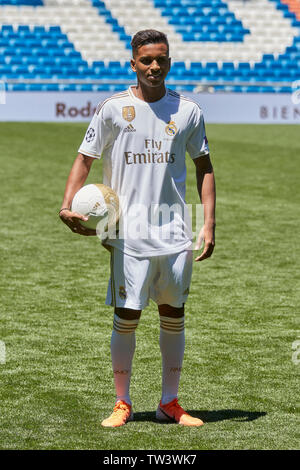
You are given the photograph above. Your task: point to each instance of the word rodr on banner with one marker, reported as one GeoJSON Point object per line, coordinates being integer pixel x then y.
{"type": "Point", "coordinates": [217, 107]}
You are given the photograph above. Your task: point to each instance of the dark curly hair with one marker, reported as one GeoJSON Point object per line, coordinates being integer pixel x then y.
{"type": "Point", "coordinates": [148, 36]}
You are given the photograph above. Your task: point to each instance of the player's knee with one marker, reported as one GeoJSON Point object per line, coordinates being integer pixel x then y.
{"type": "Point", "coordinates": [123, 325]}
{"type": "Point", "coordinates": [171, 319]}
{"type": "Point", "coordinates": [128, 313]}
{"type": "Point", "coordinates": [169, 311]}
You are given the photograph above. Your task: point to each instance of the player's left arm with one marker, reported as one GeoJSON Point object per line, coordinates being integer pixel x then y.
{"type": "Point", "coordinates": [207, 193]}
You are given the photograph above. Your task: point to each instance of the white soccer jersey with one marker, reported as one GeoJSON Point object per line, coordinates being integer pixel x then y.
{"type": "Point", "coordinates": [143, 146]}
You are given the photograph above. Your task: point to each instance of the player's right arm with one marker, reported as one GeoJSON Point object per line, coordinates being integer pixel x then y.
{"type": "Point", "coordinates": [97, 138]}
{"type": "Point", "coordinates": [77, 177]}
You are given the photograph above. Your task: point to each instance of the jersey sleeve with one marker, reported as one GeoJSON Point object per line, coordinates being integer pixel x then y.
{"type": "Point", "coordinates": [98, 135]}
{"type": "Point", "coordinates": [197, 144]}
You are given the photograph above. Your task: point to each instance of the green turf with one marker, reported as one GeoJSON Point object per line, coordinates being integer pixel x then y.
{"type": "Point", "coordinates": [241, 316]}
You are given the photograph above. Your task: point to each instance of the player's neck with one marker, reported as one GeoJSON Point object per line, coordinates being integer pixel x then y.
{"type": "Point", "coordinates": [149, 94]}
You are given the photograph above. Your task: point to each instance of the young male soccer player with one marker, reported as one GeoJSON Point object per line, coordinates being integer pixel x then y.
{"type": "Point", "coordinates": [143, 134]}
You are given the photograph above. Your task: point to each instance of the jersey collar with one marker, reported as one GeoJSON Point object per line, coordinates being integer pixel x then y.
{"type": "Point", "coordinates": [158, 102]}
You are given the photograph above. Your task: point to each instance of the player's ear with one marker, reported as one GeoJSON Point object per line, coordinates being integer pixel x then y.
{"type": "Point", "coordinates": [132, 64]}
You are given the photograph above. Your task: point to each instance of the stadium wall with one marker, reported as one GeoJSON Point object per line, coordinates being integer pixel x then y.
{"type": "Point", "coordinates": [217, 107]}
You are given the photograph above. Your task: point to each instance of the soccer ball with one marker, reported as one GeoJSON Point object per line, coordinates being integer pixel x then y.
{"type": "Point", "coordinates": [100, 203]}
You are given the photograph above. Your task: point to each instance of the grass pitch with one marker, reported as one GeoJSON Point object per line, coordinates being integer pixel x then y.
{"type": "Point", "coordinates": [241, 316]}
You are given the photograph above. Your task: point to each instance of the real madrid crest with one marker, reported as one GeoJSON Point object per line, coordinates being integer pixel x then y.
{"type": "Point", "coordinates": [171, 128]}
{"type": "Point", "coordinates": [122, 292]}
{"type": "Point", "coordinates": [128, 113]}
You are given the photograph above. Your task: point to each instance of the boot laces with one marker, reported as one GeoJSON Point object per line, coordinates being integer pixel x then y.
{"type": "Point", "coordinates": [176, 407]}
{"type": "Point", "coordinates": [120, 407]}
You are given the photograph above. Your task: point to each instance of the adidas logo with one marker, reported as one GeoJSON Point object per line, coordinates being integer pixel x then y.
{"type": "Point", "coordinates": [129, 128]}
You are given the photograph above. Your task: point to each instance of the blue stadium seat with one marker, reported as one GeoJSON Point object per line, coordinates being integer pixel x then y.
{"type": "Point", "coordinates": [18, 87]}
{"type": "Point", "coordinates": [48, 43]}
{"type": "Point", "coordinates": [98, 63]}
{"type": "Point", "coordinates": [73, 53]}
{"type": "Point", "coordinates": [41, 52]}
{"type": "Point", "coordinates": [285, 89]}
{"type": "Point", "coordinates": [5, 69]}
{"type": "Point", "coordinates": [22, 2]}
{"type": "Point", "coordinates": [56, 52]}
{"type": "Point", "coordinates": [30, 60]}
{"type": "Point", "coordinates": [55, 29]}
{"type": "Point", "coordinates": [228, 66]}
{"type": "Point", "coordinates": [4, 42]}
{"type": "Point", "coordinates": [46, 76]}
{"type": "Point", "coordinates": [10, 51]}
{"type": "Point", "coordinates": [67, 87]}
{"type": "Point", "coordinates": [62, 61]}
{"type": "Point", "coordinates": [51, 87]}
{"type": "Point", "coordinates": [86, 87]}
{"type": "Point", "coordinates": [7, 28]}
{"type": "Point", "coordinates": [27, 76]}
{"type": "Point", "coordinates": [38, 70]}
{"type": "Point", "coordinates": [23, 28]}
{"type": "Point", "coordinates": [211, 65]}
{"type": "Point", "coordinates": [38, 29]}
{"type": "Point", "coordinates": [45, 60]}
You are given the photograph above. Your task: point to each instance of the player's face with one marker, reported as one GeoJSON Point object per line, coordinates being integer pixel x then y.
{"type": "Point", "coordinates": [151, 64]}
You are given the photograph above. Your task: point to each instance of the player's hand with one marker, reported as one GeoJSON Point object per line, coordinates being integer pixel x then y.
{"type": "Point", "coordinates": [207, 233]}
{"type": "Point", "coordinates": [72, 220]}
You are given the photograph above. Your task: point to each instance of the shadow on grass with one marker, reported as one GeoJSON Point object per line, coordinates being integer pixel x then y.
{"type": "Point", "coordinates": [208, 416]}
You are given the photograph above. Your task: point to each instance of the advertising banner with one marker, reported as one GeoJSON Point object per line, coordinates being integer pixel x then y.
{"type": "Point", "coordinates": [258, 108]}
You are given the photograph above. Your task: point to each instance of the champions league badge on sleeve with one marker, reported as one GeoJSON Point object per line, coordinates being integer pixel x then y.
{"type": "Point", "coordinates": [90, 134]}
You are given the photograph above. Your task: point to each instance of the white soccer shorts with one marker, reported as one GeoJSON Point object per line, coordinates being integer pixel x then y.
{"type": "Point", "coordinates": [164, 279]}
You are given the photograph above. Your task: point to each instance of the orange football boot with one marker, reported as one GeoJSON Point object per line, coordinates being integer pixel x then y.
{"type": "Point", "coordinates": [172, 411]}
{"type": "Point", "coordinates": [121, 414]}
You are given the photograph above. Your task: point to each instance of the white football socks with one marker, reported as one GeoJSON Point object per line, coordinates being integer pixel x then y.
{"type": "Point", "coordinates": [122, 349]}
{"type": "Point", "coordinates": [172, 343]}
